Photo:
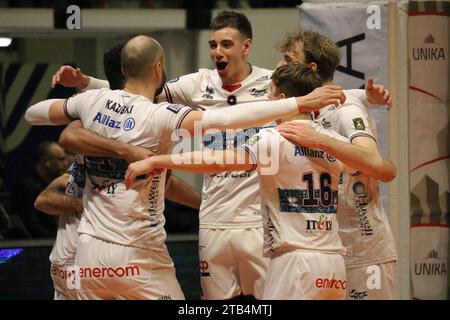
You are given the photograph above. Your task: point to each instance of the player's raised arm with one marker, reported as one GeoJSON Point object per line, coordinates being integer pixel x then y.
{"type": "Point", "coordinates": [68, 76]}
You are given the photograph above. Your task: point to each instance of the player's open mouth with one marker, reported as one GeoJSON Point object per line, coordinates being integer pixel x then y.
{"type": "Point", "coordinates": [221, 65]}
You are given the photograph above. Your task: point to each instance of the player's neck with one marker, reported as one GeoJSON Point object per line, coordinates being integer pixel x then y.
{"type": "Point", "coordinates": [238, 77]}
{"type": "Point", "coordinates": [141, 88]}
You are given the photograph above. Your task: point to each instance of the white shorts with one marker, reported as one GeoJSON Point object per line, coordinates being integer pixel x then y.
{"type": "Point", "coordinates": [61, 275]}
{"type": "Point", "coordinates": [112, 271]}
{"type": "Point", "coordinates": [231, 263]}
{"type": "Point", "coordinates": [302, 275]}
{"type": "Point", "coordinates": [375, 282]}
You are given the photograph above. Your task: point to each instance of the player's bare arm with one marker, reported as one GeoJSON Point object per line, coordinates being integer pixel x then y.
{"type": "Point", "coordinates": [361, 154]}
{"type": "Point", "coordinates": [213, 161]}
{"type": "Point", "coordinates": [54, 201]}
{"type": "Point", "coordinates": [68, 76]}
{"type": "Point", "coordinates": [377, 94]}
{"type": "Point", "coordinates": [82, 141]}
{"type": "Point", "coordinates": [53, 112]}
{"type": "Point", "coordinates": [259, 113]}
{"type": "Point", "coordinates": [180, 192]}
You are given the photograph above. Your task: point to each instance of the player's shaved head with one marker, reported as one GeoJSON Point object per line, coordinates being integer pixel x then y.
{"type": "Point", "coordinates": [139, 55]}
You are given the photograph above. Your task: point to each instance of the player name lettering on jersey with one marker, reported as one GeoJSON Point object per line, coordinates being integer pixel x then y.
{"type": "Point", "coordinates": [118, 108]}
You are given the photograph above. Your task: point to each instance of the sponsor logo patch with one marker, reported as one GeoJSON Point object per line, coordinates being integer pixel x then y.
{"type": "Point", "coordinates": [359, 124]}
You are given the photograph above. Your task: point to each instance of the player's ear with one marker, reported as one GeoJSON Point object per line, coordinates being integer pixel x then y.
{"type": "Point", "coordinates": [313, 66]}
{"type": "Point", "coordinates": [247, 46]}
{"type": "Point", "coordinates": [159, 68]}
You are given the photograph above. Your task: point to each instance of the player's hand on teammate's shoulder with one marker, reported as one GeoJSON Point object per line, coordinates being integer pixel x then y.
{"type": "Point", "coordinates": [378, 94]}
{"type": "Point", "coordinates": [300, 133]}
{"type": "Point", "coordinates": [321, 97]}
{"type": "Point", "coordinates": [68, 76]}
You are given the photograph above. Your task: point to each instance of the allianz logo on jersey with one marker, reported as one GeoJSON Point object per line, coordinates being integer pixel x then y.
{"type": "Point", "coordinates": [106, 120]}
{"type": "Point", "coordinates": [307, 152]}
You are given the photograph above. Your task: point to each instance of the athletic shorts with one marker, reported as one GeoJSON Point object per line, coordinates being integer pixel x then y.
{"type": "Point", "coordinates": [111, 271]}
{"type": "Point", "coordinates": [62, 275]}
{"type": "Point", "coordinates": [231, 263]}
{"type": "Point", "coordinates": [374, 282]}
{"type": "Point", "coordinates": [302, 275]}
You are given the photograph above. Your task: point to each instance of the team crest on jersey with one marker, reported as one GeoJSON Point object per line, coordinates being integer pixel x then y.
{"type": "Point", "coordinates": [208, 93]}
{"type": "Point", "coordinates": [359, 124]}
{"type": "Point", "coordinates": [175, 108]}
{"type": "Point", "coordinates": [258, 93]}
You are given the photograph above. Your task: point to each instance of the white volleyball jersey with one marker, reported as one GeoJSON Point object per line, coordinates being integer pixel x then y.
{"type": "Point", "coordinates": [300, 198]}
{"type": "Point", "coordinates": [128, 217]}
{"type": "Point", "coordinates": [65, 246]}
{"type": "Point", "coordinates": [230, 199]}
{"type": "Point", "coordinates": [364, 226]}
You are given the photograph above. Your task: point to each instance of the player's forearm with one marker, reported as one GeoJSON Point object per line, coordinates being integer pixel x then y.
{"type": "Point", "coordinates": [180, 192]}
{"type": "Point", "coordinates": [82, 141]}
{"type": "Point", "coordinates": [206, 161]}
{"type": "Point", "coordinates": [90, 83]}
{"type": "Point", "coordinates": [389, 171]}
{"type": "Point", "coordinates": [45, 113]}
{"type": "Point", "coordinates": [56, 203]}
{"type": "Point", "coordinates": [354, 156]}
{"type": "Point", "coordinates": [249, 114]}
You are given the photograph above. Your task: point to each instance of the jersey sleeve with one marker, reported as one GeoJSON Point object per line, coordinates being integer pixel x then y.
{"type": "Point", "coordinates": [353, 121]}
{"type": "Point", "coordinates": [79, 105]}
{"type": "Point", "coordinates": [171, 116]}
{"type": "Point", "coordinates": [359, 94]}
{"type": "Point", "coordinates": [180, 90]}
{"type": "Point", "coordinates": [264, 148]}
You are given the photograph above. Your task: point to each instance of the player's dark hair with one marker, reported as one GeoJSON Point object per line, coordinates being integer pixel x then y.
{"type": "Point", "coordinates": [231, 19]}
{"type": "Point", "coordinates": [43, 152]}
{"type": "Point", "coordinates": [112, 67]}
{"type": "Point", "coordinates": [295, 79]}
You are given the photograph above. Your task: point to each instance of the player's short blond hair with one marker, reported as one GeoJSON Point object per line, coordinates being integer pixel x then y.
{"type": "Point", "coordinates": [316, 47]}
